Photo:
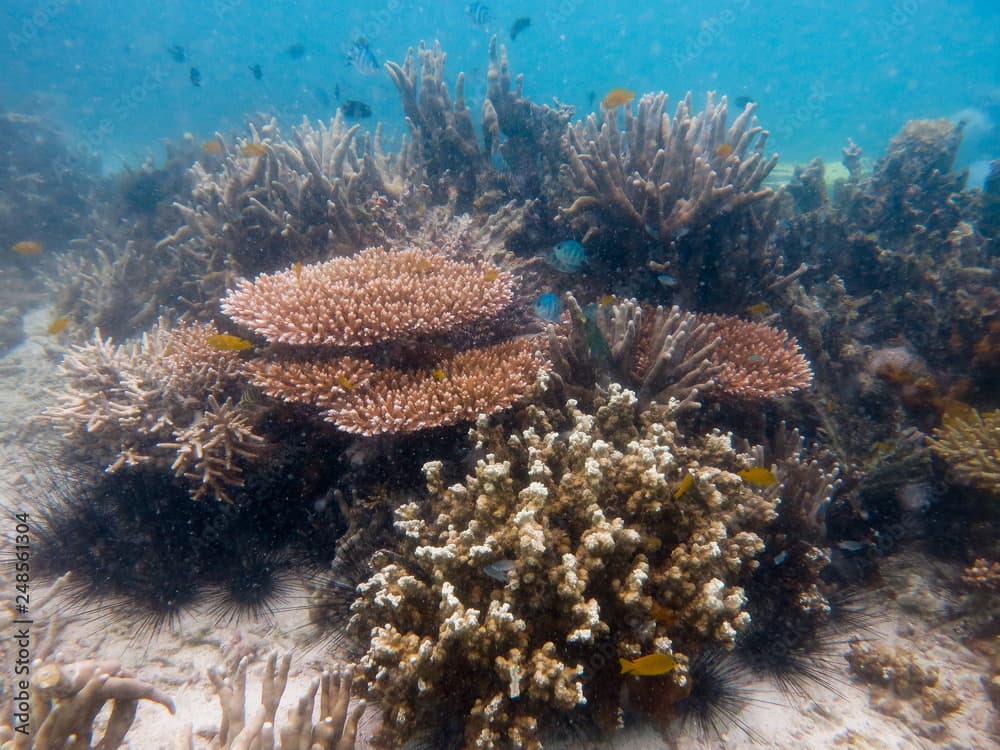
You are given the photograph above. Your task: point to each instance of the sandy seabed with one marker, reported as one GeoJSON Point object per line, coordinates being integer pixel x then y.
{"type": "Point", "coordinates": [913, 615]}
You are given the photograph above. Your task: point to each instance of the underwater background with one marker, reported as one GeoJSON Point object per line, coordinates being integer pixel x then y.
{"type": "Point", "coordinates": [500, 375]}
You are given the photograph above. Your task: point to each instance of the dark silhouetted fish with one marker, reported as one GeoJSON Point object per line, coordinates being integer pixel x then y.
{"type": "Point", "coordinates": [353, 108]}
{"type": "Point", "coordinates": [296, 51]}
{"type": "Point", "coordinates": [361, 58]}
{"type": "Point", "coordinates": [591, 98]}
{"type": "Point", "coordinates": [257, 72]}
{"type": "Point", "coordinates": [741, 102]}
{"type": "Point", "coordinates": [176, 53]}
{"type": "Point", "coordinates": [519, 25]}
{"type": "Point", "coordinates": [479, 13]}
{"type": "Point", "coordinates": [195, 76]}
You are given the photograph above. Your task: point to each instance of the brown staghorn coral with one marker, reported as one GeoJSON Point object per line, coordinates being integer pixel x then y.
{"type": "Point", "coordinates": [658, 176]}
{"type": "Point", "coordinates": [608, 554]}
{"type": "Point", "coordinates": [273, 199]}
{"type": "Point", "coordinates": [370, 298]}
{"type": "Point", "coordinates": [970, 444]}
{"type": "Point", "coordinates": [757, 361]}
{"type": "Point", "coordinates": [335, 729]}
{"type": "Point", "coordinates": [158, 400]}
{"type": "Point", "coordinates": [375, 340]}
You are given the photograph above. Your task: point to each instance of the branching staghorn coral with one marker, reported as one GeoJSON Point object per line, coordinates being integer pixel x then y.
{"type": "Point", "coordinates": [377, 340]}
{"type": "Point", "coordinates": [166, 399]}
{"type": "Point", "coordinates": [273, 200]}
{"type": "Point", "coordinates": [970, 444]}
{"type": "Point", "coordinates": [660, 177]}
{"type": "Point", "coordinates": [606, 550]}
{"type": "Point", "coordinates": [335, 730]}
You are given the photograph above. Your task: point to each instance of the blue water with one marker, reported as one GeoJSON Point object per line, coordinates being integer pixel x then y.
{"type": "Point", "coordinates": [821, 71]}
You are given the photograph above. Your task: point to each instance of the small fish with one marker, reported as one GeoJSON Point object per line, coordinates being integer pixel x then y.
{"type": "Point", "coordinates": [491, 275]}
{"type": "Point", "coordinates": [519, 25]}
{"type": "Point", "coordinates": [500, 570]}
{"type": "Point", "coordinates": [724, 150]}
{"type": "Point", "coordinates": [781, 557]}
{"type": "Point", "coordinates": [176, 53]}
{"type": "Point", "coordinates": [355, 108]}
{"type": "Point", "coordinates": [257, 72]}
{"type": "Point", "coordinates": [344, 382]}
{"type": "Point", "coordinates": [850, 545]}
{"type": "Point", "coordinates": [756, 359]}
{"type": "Point", "coordinates": [479, 14]}
{"type": "Point", "coordinates": [297, 267]}
{"type": "Point", "coordinates": [591, 98]}
{"type": "Point", "coordinates": [667, 281]}
{"type": "Point", "coordinates": [438, 374]}
{"type": "Point", "coordinates": [211, 147]}
{"type": "Point", "coordinates": [568, 256]}
{"type": "Point", "coordinates": [651, 665]}
{"type": "Point", "coordinates": [195, 76]}
{"type": "Point", "coordinates": [605, 300]}
{"type": "Point", "coordinates": [758, 476]}
{"type": "Point", "coordinates": [758, 308]}
{"type": "Point", "coordinates": [684, 486]}
{"type": "Point", "coordinates": [616, 98]}
{"type": "Point", "coordinates": [226, 342]}
{"type": "Point", "coordinates": [361, 58]}
{"type": "Point", "coordinates": [57, 326]}
{"type": "Point", "coordinates": [253, 149]}
{"type": "Point", "coordinates": [742, 101]}
{"type": "Point", "coordinates": [547, 307]}
{"type": "Point", "coordinates": [296, 51]}
{"type": "Point", "coordinates": [27, 247]}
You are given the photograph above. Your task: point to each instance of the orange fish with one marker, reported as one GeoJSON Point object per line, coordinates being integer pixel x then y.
{"type": "Point", "coordinates": [298, 270]}
{"type": "Point", "coordinates": [27, 247]}
{"type": "Point", "coordinates": [226, 342]}
{"type": "Point", "coordinates": [211, 147]}
{"type": "Point", "coordinates": [617, 97]}
{"type": "Point", "coordinates": [651, 665]}
{"type": "Point", "coordinates": [253, 149]}
{"type": "Point", "coordinates": [57, 326]}
{"type": "Point", "coordinates": [344, 383]}
{"type": "Point", "coordinates": [685, 485]}
{"type": "Point", "coordinates": [723, 150]}
{"type": "Point", "coordinates": [757, 476]}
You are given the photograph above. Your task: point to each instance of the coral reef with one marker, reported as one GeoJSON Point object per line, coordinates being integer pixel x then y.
{"type": "Point", "coordinates": [272, 201]}
{"type": "Point", "coordinates": [617, 538]}
{"type": "Point", "coordinates": [413, 308]}
{"type": "Point", "coordinates": [165, 399]}
{"type": "Point", "coordinates": [335, 729]}
{"type": "Point", "coordinates": [970, 444]}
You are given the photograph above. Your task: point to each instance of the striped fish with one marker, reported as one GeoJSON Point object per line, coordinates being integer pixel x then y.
{"type": "Point", "coordinates": [361, 58]}
{"type": "Point", "coordinates": [479, 14]}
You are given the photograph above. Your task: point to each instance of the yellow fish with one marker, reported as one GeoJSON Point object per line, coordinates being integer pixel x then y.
{"type": "Point", "coordinates": [491, 275]}
{"type": "Point", "coordinates": [27, 247]}
{"type": "Point", "coordinates": [253, 149]}
{"type": "Point", "coordinates": [652, 665]}
{"type": "Point", "coordinates": [758, 476]}
{"type": "Point", "coordinates": [723, 150]}
{"type": "Point", "coordinates": [607, 299]}
{"type": "Point", "coordinates": [226, 342]}
{"type": "Point", "coordinates": [344, 383]}
{"type": "Point", "coordinates": [58, 325]}
{"type": "Point", "coordinates": [758, 308]}
{"type": "Point", "coordinates": [617, 97]}
{"type": "Point", "coordinates": [438, 374]}
{"type": "Point", "coordinates": [685, 485]}
{"type": "Point", "coordinates": [298, 270]}
{"type": "Point", "coordinates": [211, 147]}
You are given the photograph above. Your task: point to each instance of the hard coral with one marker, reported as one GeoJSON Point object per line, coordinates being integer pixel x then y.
{"type": "Point", "coordinates": [609, 555]}
{"type": "Point", "coordinates": [970, 444]}
{"type": "Point", "coordinates": [376, 340]}
{"type": "Point", "coordinates": [163, 399]}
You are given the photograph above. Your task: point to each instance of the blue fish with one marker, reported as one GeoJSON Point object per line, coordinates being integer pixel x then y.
{"type": "Point", "coordinates": [667, 281]}
{"type": "Point", "coordinates": [547, 307]}
{"type": "Point", "coordinates": [361, 58]}
{"type": "Point", "coordinates": [569, 256]}
{"type": "Point", "coordinates": [479, 13]}
{"type": "Point", "coordinates": [500, 570]}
